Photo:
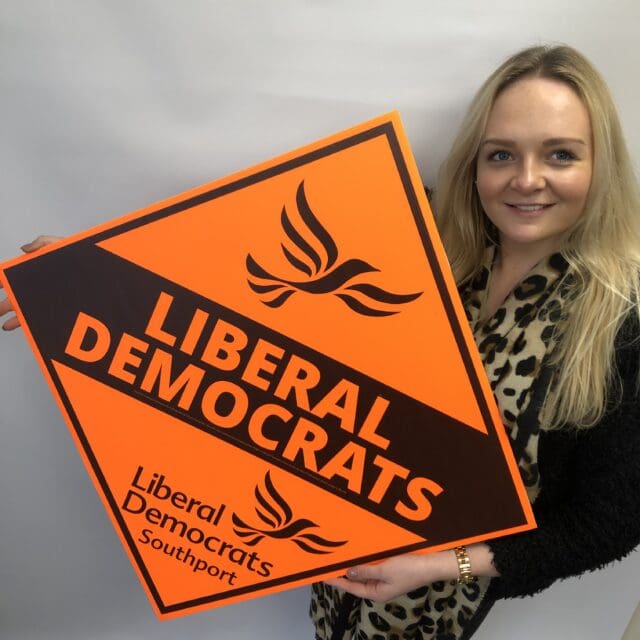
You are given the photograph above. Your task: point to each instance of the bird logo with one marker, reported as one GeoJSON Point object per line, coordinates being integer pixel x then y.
{"type": "Point", "coordinates": [278, 523]}
{"type": "Point", "coordinates": [321, 273]}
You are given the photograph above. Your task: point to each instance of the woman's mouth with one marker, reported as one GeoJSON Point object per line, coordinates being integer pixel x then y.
{"type": "Point", "coordinates": [529, 207]}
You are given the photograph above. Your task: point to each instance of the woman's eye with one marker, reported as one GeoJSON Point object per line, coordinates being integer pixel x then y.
{"type": "Point", "coordinates": [500, 156]}
{"type": "Point", "coordinates": [562, 155]}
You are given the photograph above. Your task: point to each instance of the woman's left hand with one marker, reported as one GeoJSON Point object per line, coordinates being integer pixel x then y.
{"type": "Point", "coordinates": [396, 576]}
{"type": "Point", "coordinates": [399, 575]}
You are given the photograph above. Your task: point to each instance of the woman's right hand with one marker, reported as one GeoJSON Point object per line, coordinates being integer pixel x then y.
{"type": "Point", "coordinates": [5, 306]}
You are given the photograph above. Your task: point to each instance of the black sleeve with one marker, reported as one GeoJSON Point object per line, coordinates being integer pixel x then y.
{"type": "Point", "coordinates": [589, 513]}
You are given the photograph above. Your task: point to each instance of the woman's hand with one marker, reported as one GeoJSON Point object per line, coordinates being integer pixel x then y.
{"type": "Point", "coordinates": [5, 306]}
{"type": "Point", "coordinates": [396, 576]}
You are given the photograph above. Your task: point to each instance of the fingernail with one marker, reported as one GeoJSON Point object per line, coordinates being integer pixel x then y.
{"type": "Point", "coordinates": [352, 573]}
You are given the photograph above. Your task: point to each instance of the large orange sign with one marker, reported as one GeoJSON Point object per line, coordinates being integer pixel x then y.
{"type": "Point", "coordinates": [270, 377]}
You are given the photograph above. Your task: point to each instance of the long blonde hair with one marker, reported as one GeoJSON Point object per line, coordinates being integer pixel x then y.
{"type": "Point", "coordinates": [603, 248]}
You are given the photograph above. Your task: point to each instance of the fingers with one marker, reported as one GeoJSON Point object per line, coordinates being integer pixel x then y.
{"type": "Point", "coordinates": [358, 589]}
{"type": "Point", "coordinates": [365, 573]}
{"type": "Point", "coordinates": [38, 243]}
{"type": "Point", "coordinates": [365, 581]}
{"type": "Point", "coordinates": [391, 577]}
{"type": "Point", "coordinates": [5, 306]}
{"type": "Point", "coordinates": [11, 324]}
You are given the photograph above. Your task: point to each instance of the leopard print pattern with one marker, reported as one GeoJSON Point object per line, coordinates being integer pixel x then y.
{"type": "Point", "coordinates": [418, 615]}
{"type": "Point", "coordinates": [513, 345]}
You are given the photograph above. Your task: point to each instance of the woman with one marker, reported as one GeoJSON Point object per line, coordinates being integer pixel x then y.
{"type": "Point", "coordinates": [540, 216]}
{"type": "Point", "coordinates": [539, 212]}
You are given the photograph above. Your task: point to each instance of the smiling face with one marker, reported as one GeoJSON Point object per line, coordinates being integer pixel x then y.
{"type": "Point", "coordinates": [534, 164]}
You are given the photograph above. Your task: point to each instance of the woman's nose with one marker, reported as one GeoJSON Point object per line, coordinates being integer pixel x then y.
{"type": "Point", "coordinates": [529, 176]}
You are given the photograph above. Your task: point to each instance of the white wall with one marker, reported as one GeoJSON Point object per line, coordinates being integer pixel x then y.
{"type": "Point", "coordinates": [107, 106]}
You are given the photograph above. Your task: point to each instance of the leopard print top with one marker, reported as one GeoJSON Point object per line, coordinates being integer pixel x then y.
{"type": "Point", "coordinates": [513, 344]}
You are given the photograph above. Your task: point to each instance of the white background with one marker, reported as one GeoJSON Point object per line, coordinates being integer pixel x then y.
{"type": "Point", "coordinates": [107, 106]}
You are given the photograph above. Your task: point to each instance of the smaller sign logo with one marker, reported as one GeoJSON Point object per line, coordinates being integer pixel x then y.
{"type": "Point", "coordinates": [276, 514]}
{"type": "Point", "coordinates": [320, 275]}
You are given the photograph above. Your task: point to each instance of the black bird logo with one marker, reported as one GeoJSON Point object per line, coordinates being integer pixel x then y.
{"type": "Point", "coordinates": [319, 270]}
{"type": "Point", "coordinates": [278, 523]}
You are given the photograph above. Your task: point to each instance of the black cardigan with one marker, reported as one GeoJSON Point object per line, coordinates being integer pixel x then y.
{"type": "Point", "coordinates": [588, 508]}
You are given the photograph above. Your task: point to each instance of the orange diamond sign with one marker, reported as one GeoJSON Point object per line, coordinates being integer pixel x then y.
{"type": "Point", "coordinates": [270, 377]}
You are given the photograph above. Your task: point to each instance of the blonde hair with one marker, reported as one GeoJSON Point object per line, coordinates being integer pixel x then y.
{"type": "Point", "coordinates": [603, 248]}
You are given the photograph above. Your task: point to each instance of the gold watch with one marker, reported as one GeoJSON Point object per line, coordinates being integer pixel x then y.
{"type": "Point", "coordinates": [464, 566]}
